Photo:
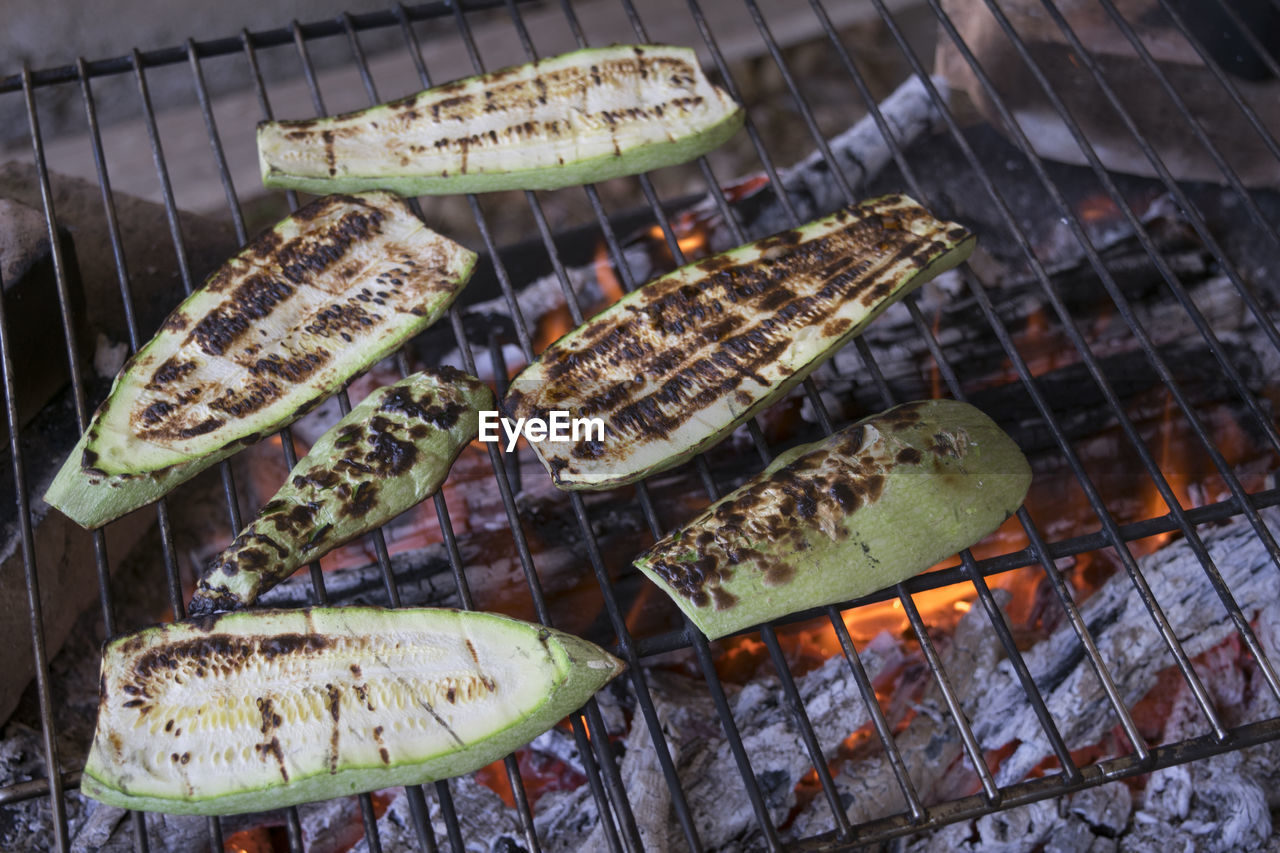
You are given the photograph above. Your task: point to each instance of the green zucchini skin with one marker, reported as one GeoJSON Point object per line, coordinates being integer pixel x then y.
{"type": "Point", "coordinates": [386, 455]}
{"type": "Point", "coordinates": [572, 119]}
{"type": "Point", "coordinates": [831, 521]}
{"type": "Point", "coordinates": [676, 365]}
{"type": "Point", "coordinates": [332, 289]}
{"type": "Point", "coordinates": [257, 710]}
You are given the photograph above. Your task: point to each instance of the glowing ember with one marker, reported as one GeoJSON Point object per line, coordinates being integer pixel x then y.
{"type": "Point", "coordinates": [1098, 208]}
{"type": "Point", "coordinates": [539, 774]}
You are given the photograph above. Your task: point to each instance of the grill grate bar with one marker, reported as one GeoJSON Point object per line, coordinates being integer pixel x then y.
{"type": "Point", "coordinates": [1184, 111]}
{"type": "Point", "coordinates": [1220, 463]}
{"type": "Point", "coordinates": [291, 198]}
{"type": "Point", "coordinates": [603, 775]}
{"type": "Point", "coordinates": [1194, 216]}
{"type": "Point", "coordinates": [1149, 462]}
{"type": "Point", "coordinates": [1095, 501]}
{"type": "Point", "coordinates": [607, 763]}
{"type": "Point", "coordinates": [1057, 581]}
{"type": "Point", "coordinates": [1148, 245]}
{"type": "Point", "coordinates": [53, 770]}
{"type": "Point", "coordinates": [997, 621]}
{"type": "Point", "coordinates": [1034, 790]}
{"type": "Point", "coordinates": [421, 817]}
{"type": "Point", "coordinates": [1123, 305]}
{"type": "Point", "coordinates": [117, 251]}
{"type": "Point", "coordinates": [794, 701]}
{"type": "Point", "coordinates": [233, 44]}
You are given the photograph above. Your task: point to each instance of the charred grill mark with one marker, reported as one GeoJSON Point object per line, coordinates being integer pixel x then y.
{"type": "Point", "coordinates": [362, 501]}
{"type": "Point", "coordinates": [387, 456]}
{"type": "Point", "coordinates": [330, 157]}
{"type": "Point", "coordinates": [334, 701]}
{"type": "Point", "coordinates": [250, 302]}
{"type": "Point", "coordinates": [318, 477]}
{"type": "Point", "coordinates": [296, 519]}
{"type": "Point", "coordinates": [156, 412]}
{"type": "Point", "coordinates": [908, 456]}
{"type": "Point", "coordinates": [339, 317]}
{"type": "Point", "coordinates": [295, 369]}
{"type": "Point", "coordinates": [224, 654]}
{"type": "Point", "coordinates": [170, 371]}
{"type": "Point", "coordinates": [901, 417]}
{"type": "Point", "coordinates": [302, 258]}
{"type": "Point", "coordinates": [239, 404]}
{"type": "Point", "coordinates": [317, 537]}
{"type": "Point", "coordinates": [426, 409]}
{"type": "Point", "coordinates": [204, 427]}
{"type": "Point", "coordinates": [685, 332]}
{"type": "Point", "coordinates": [774, 515]}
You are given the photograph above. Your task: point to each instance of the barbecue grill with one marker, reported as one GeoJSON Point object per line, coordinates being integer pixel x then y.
{"type": "Point", "coordinates": [1045, 552]}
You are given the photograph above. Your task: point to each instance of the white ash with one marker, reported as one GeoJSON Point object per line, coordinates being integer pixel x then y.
{"type": "Point", "coordinates": [1090, 820]}
{"type": "Point", "coordinates": [109, 357]}
{"type": "Point", "coordinates": [708, 775]}
{"type": "Point", "coordinates": [1127, 641]}
{"type": "Point", "coordinates": [485, 821]}
{"type": "Point", "coordinates": [868, 787]}
{"type": "Point", "coordinates": [25, 825]}
{"type": "Point", "coordinates": [1223, 802]}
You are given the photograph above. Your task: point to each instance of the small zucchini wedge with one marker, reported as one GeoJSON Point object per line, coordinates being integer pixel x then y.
{"type": "Point", "coordinates": [332, 289]}
{"type": "Point", "coordinates": [674, 366]}
{"type": "Point", "coordinates": [388, 453]}
{"type": "Point", "coordinates": [572, 119]}
{"type": "Point", "coordinates": [863, 509]}
{"type": "Point", "coordinates": [251, 711]}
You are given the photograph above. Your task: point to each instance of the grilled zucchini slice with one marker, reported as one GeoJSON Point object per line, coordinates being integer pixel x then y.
{"type": "Point", "coordinates": [673, 367]}
{"type": "Point", "coordinates": [572, 119]}
{"type": "Point", "coordinates": [332, 289]}
{"type": "Point", "coordinates": [865, 508]}
{"type": "Point", "coordinates": [386, 455]}
{"type": "Point", "coordinates": [258, 710]}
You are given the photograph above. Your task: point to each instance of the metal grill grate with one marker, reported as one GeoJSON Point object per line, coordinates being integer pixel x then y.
{"type": "Point", "coordinates": [600, 760]}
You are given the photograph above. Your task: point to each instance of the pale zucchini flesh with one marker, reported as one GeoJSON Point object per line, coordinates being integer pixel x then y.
{"type": "Point", "coordinates": [675, 366]}
{"type": "Point", "coordinates": [386, 455]}
{"type": "Point", "coordinates": [331, 290]}
{"type": "Point", "coordinates": [576, 118]}
{"type": "Point", "coordinates": [251, 711]}
{"type": "Point", "coordinates": [831, 521]}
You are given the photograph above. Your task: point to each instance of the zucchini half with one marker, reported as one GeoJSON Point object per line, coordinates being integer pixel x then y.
{"type": "Point", "coordinates": [571, 119]}
{"type": "Point", "coordinates": [246, 712]}
{"type": "Point", "coordinates": [863, 509]}
{"type": "Point", "coordinates": [388, 454]}
{"type": "Point", "coordinates": [675, 366]}
{"type": "Point", "coordinates": [331, 290]}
